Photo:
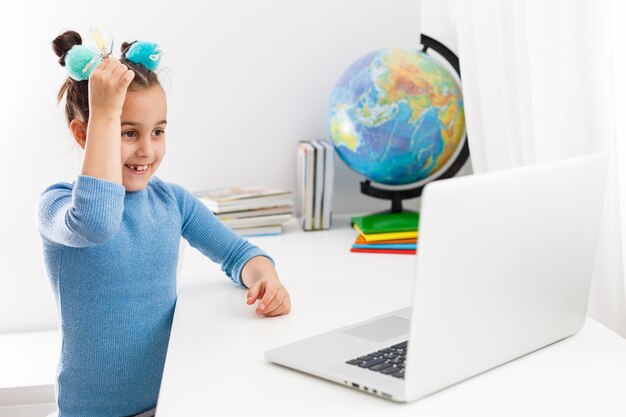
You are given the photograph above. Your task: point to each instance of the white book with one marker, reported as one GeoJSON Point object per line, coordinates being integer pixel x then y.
{"type": "Point", "coordinates": [257, 221]}
{"type": "Point", "coordinates": [259, 230]}
{"type": "Point", "coordinates": [319, 185]}
{"type": "Point", "coordinates": [300, 180]}
{"type": "Point", "coordinates": [286, 209]}
{"type": "Point", "coordinates": [249, 204]}
{"type": "Point", "coordinates": [229, 194]}
{"type": "Point", "coordinates": [231, 199]}
{"type": "Point", "coordinates": [329, 179]}
{"type": "Point", "coordinates": [309, 182]}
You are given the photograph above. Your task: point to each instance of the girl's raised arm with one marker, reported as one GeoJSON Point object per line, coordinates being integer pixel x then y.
{"type": "Point", "coordinates": [107, 91]}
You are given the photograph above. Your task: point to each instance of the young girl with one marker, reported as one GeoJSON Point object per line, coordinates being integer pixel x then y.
{"type": "Point", "coordinates": [110, 239]}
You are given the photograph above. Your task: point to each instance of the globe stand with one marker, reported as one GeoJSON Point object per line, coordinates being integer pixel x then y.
{"type": "Point", "coordinates": [396, 196]}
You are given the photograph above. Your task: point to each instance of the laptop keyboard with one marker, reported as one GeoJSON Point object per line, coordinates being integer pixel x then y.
{"type": "Point", "coordinates": [388, 361]}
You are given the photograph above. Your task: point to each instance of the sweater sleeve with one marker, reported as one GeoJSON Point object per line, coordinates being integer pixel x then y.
{"type": "Point", "coordinates": [203, 230]}
{"type": "Point", "coordinates": [87, 214]}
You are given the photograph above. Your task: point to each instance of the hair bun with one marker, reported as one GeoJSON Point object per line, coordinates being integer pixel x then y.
{"type": "Point", "coordinates": [125, 47]}
{"type": "Point", "coordinates": [64, 42]}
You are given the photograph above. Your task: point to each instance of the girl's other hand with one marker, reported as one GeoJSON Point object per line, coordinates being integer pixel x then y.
{"type": "Point", "coordinates": [108, 84]}
{"type": "Point", "coordinates": [273, 297]}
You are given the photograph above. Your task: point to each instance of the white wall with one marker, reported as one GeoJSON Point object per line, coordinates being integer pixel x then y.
{"type": "Point", "coordinates": [246, 79]}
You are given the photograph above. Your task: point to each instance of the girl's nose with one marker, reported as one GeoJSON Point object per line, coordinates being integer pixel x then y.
{"type": "Point", "coordinates": [144, 148]}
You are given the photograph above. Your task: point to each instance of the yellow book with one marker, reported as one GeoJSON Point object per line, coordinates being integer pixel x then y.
{"type": "Point", "coordinates": [377, 237]}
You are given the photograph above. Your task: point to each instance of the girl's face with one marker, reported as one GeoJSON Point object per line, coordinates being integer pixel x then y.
{"type": "Point", "coordinates": [143, 136]}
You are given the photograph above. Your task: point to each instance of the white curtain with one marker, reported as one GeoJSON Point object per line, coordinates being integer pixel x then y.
{"type": "Point", "coordinates": [544, 80]}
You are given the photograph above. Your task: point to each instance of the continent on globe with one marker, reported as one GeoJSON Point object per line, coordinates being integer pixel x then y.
{"type": "Point", "coordinates": [396, 116]}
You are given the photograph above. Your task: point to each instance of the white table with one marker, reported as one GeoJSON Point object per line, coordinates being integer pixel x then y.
{"type": "Point", "coordinates": [215, 360]}
{"type": "Point", "coordinates": [28, 364]}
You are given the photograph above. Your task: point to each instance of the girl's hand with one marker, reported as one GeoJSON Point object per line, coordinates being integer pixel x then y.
{"type": "Point", "coordinates": [274, 298]}
{"type": "Point", "coordinates": [107, 88]}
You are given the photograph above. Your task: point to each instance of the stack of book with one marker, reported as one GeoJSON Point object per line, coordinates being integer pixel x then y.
{"type": "Point", "coordinates": [314, 189]}
{"type": "Point", "coordinates": [250, 210]}
{"type": "Point", "coordinates": [387, 233]}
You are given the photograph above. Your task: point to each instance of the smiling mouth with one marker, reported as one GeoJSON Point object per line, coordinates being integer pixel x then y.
{"type": "Point", "coordinates": [139, 169]}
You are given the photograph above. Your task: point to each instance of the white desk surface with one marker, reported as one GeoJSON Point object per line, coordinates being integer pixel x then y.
{"type": "Point", "coordinates": [28, 364]}
{"type": "Point", "coordinates": [215, 360]}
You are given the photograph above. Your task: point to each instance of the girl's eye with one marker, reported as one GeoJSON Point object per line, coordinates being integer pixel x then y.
{"type": "Point", "coordinates": [128, 134]}
{"type": "Point", "coordinates": [159, 132]}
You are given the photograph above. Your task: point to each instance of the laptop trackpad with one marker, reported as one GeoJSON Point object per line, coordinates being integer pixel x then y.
{"type": "Point", "coordinates": [381, 330]}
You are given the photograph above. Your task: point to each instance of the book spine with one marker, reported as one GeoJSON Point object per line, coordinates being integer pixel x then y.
{"type": "Point", "coordinates": [259, 231]}
{"type": "Point", "coordinates": [319, 184]}
{"type": "Point", "coordinates": [253, 204]}
{"type": "Point", "coordinates": [300, 182]}
{"type": "Point", "coordinates": [309, 186]}
{"type": "Point", "coordinates": [257, 221]}
{"type": "Point", "coordinates": [329, 178]}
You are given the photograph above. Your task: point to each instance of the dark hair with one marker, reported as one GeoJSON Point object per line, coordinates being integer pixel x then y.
{"type": "Point", "coordinates": [77, 92]}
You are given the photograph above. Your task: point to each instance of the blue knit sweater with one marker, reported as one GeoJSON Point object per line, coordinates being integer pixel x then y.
{"type": "Point", "coordinates": [111, 258]}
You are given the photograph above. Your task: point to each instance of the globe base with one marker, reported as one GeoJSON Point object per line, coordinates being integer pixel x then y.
{"type": "Point", "coordinates": [396, 196]}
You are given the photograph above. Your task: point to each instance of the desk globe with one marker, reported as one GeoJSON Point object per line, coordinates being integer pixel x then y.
{"type": "Point", "coordinates": [396, 117]}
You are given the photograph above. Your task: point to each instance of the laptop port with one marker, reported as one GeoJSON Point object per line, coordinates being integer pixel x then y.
{"type": "Point", "coordinates": [386, 395]}
{"type": "Point", "coordinates": [365, 388]}
{"type": "Point", "coordinates": [355, 385]}
{"type": "Point", "coordinates": [374, 391]}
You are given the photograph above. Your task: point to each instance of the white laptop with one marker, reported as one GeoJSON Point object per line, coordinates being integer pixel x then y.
{"type": "Point", "coordinates": [503, 268]}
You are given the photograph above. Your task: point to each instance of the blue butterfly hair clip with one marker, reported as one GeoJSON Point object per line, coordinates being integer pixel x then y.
{"type": "Point", "coordinates": [147, 54]}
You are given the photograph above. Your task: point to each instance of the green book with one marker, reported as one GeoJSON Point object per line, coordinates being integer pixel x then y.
{"type": "Point", "coordinates": [387, 222]}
